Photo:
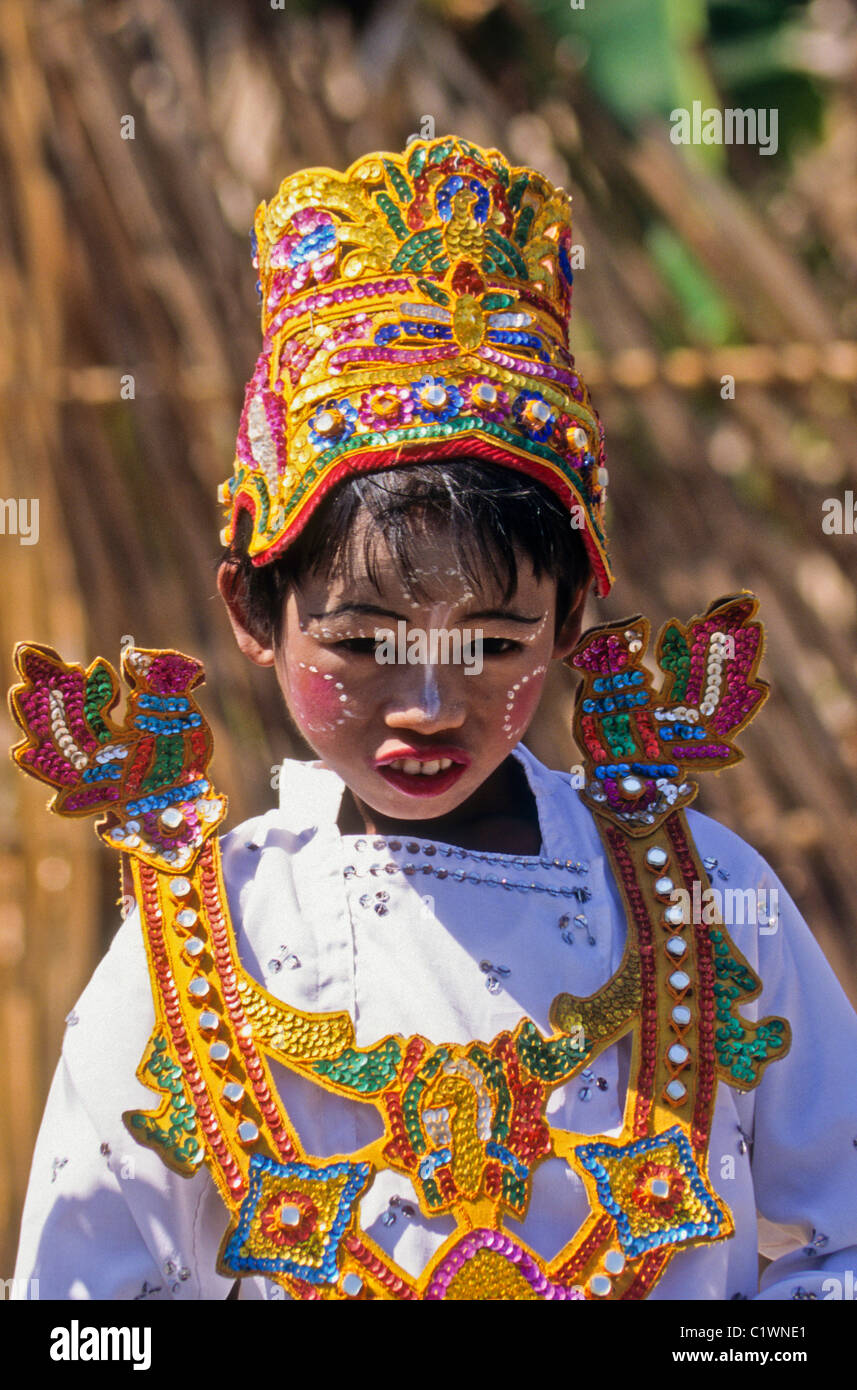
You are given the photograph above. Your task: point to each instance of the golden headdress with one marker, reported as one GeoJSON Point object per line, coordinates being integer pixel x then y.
{"type": "Point", "coordinates": [415, 307]}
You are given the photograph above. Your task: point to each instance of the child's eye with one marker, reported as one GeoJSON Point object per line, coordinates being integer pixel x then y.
{"type": "Point", "coordinates": [499, 646]}
{"type": "Point", "coordinates": [365, 646]}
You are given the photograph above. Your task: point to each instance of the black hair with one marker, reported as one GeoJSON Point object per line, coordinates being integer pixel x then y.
{"type": "Point", "coordinates": [489, 511]}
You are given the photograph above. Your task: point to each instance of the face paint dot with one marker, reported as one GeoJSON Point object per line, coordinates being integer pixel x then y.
{"type": "Point", "coordinates": [342, 699]}
{"type": "Point", "coordinates": [328, 676]}
{"type": "Point", "coordinates": [524, 680]}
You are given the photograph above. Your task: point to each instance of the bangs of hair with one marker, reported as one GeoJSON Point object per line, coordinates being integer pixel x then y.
{"type": "Point", "coordinates": [487, 513]}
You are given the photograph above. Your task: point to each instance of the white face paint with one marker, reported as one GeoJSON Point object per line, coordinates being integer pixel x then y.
{"type": "Point", "coordinates": [439, 616]}
{"type": "Point", "coordinates": [514, 728]}
{"type": "Point", "coordinates": [355, 695]}
{"type": "Point", "coordinates": [431, 692]}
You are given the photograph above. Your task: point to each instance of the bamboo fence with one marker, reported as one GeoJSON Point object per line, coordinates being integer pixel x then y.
{"type": "Point", "coordinates": [128, 258]}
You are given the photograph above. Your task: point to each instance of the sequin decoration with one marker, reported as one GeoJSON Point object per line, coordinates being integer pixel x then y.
{"type": "Point", "coordinates": [487, 1265]}
{"type": "Point", "coordinates": [174, 1130]}
{"type": "Point", "coordinates": [416, 306]}
{"type": "Point", "coordinates": [467, 1124]}
{"type": "Point", "coordinates": [147, 774]}
{"type": "Point", "coordinates": [743, 1047]}
{"type": "Point", "coordinates": [654, 1190]}
{"type": "Point", "coordinates": [268, 1240]}
{"type": "Point", "coordinates": [639, 742]}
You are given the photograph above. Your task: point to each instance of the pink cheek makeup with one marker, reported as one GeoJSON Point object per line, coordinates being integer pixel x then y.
{"type": "Point", "coordinates": [318, 699]}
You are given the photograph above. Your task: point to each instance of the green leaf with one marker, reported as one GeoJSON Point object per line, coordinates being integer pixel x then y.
{"type": "Point", "coordinates": [707, 316]}
{"type": "Point", "coordinates": [523, 224]}
{"type": "Point", "coordinates": [417, 161]}
{"type": "Point", "coordinates": [392, 214]}
{"type": "Point", "coordinates": [399, 182]}
{"type": "Point", "coordinates": [434, 292]}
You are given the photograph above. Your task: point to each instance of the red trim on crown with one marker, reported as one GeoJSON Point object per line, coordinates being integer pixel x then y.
{"type": "Point", "coordinates": [467, 446]}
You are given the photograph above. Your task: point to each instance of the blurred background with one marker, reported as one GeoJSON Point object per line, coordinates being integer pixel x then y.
{"type": "Point", "coordinates": [125, 268]}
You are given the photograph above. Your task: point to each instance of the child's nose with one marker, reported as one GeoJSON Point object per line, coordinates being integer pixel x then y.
{"type": "Point", "coordinates": [425, 697]}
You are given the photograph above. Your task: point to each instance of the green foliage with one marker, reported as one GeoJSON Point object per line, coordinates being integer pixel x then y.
{"type": "Point", "coordinates": [646, 58]}
{"type": "Point", "coordinates": [707, 316]}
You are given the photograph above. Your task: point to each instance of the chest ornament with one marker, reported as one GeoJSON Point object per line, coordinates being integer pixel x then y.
{"type": "Point", "coordinates": [467, 1125]}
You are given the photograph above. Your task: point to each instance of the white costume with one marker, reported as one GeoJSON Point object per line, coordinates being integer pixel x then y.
{"type": "Point", "coordinates": [412, 936]}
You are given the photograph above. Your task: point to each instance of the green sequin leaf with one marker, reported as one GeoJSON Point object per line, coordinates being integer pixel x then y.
{"type": "Point", "coordinates": [168, 762]}
{"type": "Point", "coordinates": [472, 150]}
{"type": "Point", "coordinates": [495, 1079]}
{"type": "Point", "coordinates": [548, 1060]}
{"type": "Point", "coordinates": [392, 214]}
{"type": "Point", "coordinates": [523, 225]}
{"type": "Point", "coordinates": [496, 301]}
{"type": "Point", "coordinates": [414, 252]}
{"type": "Point", "coordinates": [365, 1072]}
{"type": "Point", "coordinates": [507, 256]}
{"type": "Point", "coordinates": [440, 152]}
{"type": "Point", "coordinates": [417, 161]}
{"type": "Point", "coordinates": [97, 695]}
{"type": "Point", "coordinates": [176, 1134]}
{"type": "Point", "coordinates": [399, 182]}
{"type": "Point", "coordinates": [434, 292]}
{"type": "Point", "coordinates": [675, 658]}
{"type": "Point", "coordinates": [517, 191]}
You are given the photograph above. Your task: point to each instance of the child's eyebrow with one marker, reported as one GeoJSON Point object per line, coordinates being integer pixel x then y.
{"type": "Point", "coordinates": [373, 609]}
{"type": "Point", "coordinates": [356, 608]}
{"type": "Point", "coordinates": [504, 615]}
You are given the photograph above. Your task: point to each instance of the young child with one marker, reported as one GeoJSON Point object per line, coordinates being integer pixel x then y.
{"type": "Point", "coordinates": [444, 1024]}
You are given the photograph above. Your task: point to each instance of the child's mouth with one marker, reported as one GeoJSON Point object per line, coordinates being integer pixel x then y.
{"type": "Point", "coordinates": [423, 775]}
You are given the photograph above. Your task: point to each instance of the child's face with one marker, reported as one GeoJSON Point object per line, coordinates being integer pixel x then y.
{"type": "Point", "coordinates": [414, 741]}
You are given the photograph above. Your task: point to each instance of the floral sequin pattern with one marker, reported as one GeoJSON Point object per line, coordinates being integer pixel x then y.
{"type": "Point", "coordinates": [333, 423]}
{"type": "Point", "coordinates": [386, 405]}
{"type": "Point", "coordinates": [436, 399]}
{"type": "Point", "coordinates": [304, 256]}
{"type": "Point", "coordinates": [485, 399]}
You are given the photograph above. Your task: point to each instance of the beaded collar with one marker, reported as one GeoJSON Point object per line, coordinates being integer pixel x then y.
{"type": "Point", "coordinates": [466, 1124]}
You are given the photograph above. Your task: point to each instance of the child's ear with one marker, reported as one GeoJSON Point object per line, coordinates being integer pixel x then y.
{"type": "Point", "coordinates": [569, 634]}
{"type": "Point", "coordinates": [254, 644]}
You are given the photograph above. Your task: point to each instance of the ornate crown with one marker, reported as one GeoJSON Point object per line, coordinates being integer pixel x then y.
{"type": "Point", "coordinates": [414, 307]}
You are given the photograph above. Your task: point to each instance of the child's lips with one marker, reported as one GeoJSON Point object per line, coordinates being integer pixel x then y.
{"type": "Point", "coordinates": [424, 771]}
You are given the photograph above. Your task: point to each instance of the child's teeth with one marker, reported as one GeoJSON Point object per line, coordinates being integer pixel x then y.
{"type": "Point", "coordinates": [414, 767]}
